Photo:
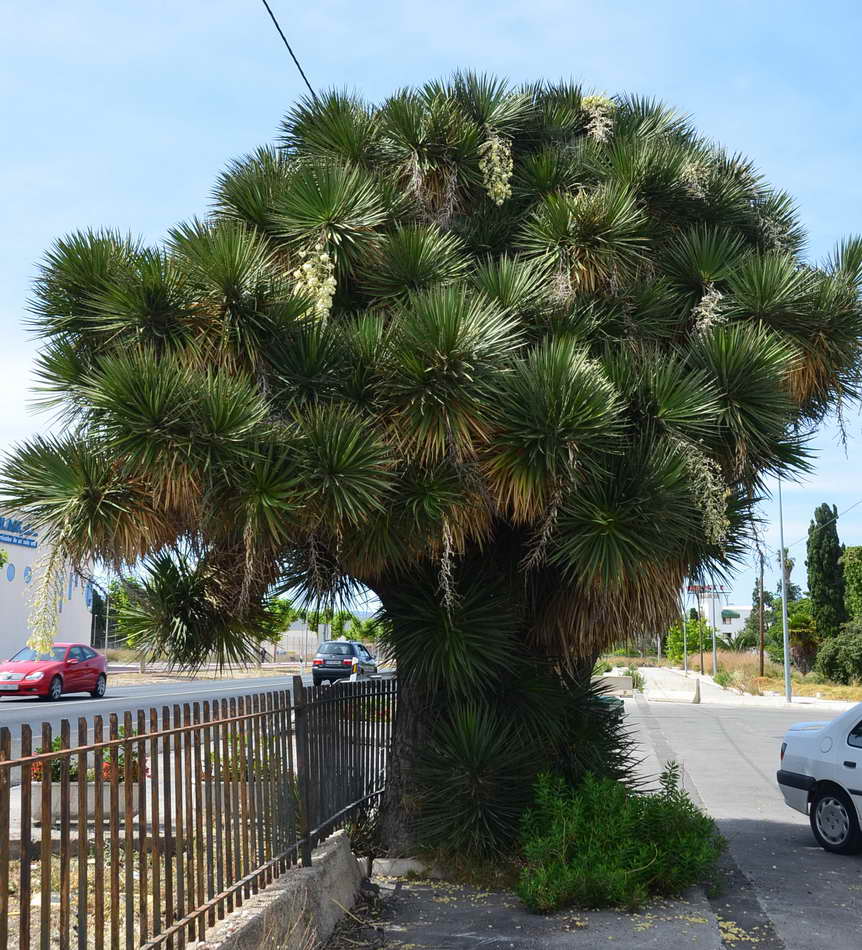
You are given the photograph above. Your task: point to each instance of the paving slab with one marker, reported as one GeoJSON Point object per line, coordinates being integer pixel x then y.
{"type": "Point", "coordinates": [436, 915]}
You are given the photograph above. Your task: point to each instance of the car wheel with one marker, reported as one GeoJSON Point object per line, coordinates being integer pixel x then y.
{"type": "Point", "coordinates": [55, 690]}
{"type": "Point", "coordinates": [101, 684]}
{"type": "Point", "coordinates": [834, 822]}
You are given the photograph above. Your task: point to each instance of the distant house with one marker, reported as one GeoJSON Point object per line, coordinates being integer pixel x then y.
{"type": "Point", "coordinates": [734, 618]}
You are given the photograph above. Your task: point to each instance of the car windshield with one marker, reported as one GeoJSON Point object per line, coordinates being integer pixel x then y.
{"type": "Point", "coordinates": [28, 656]}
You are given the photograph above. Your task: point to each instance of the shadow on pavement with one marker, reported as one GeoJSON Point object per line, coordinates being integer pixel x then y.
{"type": "Point", "coordinates": [784, 889]}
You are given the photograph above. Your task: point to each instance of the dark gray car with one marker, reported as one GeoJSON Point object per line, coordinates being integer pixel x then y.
{"type": "Point", "coordinates": [335, 660]}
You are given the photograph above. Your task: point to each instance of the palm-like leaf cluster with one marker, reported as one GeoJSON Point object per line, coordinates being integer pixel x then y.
{"type": "Point", "coordinates": [583, 386]}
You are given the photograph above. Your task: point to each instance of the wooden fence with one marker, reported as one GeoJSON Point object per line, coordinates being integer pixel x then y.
{"type": "Point", "coordinates": [147, 831]}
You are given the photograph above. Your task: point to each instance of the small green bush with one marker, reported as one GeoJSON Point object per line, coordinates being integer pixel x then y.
{"type": "Point", "coordinates": [638, 681]}
{"type": "Point", "coordinates": [601, 667]}
{"type": "Point", "coordinates": [814, 677]}
{"type": "Point", "coordinates": [840, 657]}
{"type": "Point", "coordinates": [602, 845]}
{"type": "Point", "coordinates": [724, 678]}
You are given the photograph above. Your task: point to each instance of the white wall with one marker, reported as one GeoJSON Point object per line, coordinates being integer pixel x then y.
{"type": "Point", "coordinates": [733, 625]}
{"type": "Point", "coordinates": [17, 576]}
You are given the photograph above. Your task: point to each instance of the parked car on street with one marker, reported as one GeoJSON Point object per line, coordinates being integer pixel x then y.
{"type": "Point", "coordinates": [335, 660]}
{"type": "Point", "coordinates": [68, 668]}
{"type": "Point", "coordinates": [821, 776]}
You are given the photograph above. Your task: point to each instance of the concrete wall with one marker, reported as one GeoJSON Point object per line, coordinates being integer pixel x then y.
{"type": "Point", "coordinates": [297, 639]}
{"type": "Point", "coordinates": [299, 911]}
{"type": "Point", "coordinates": [17, 578]}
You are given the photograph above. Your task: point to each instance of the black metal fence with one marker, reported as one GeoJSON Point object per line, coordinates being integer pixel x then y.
{"type": "Point", "coordinates": [144, 833]}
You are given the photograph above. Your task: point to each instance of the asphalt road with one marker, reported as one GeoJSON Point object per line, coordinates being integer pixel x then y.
{"type": "Point", "coordinates": [120, 699]}
{"type": "Point", "coordinates": [784, 891]}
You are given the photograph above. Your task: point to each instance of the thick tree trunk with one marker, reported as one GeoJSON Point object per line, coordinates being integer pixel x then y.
{"type": "Point", "coordinates": [413, 724]}
{"type": "Point", "coordinates": [417, 714]}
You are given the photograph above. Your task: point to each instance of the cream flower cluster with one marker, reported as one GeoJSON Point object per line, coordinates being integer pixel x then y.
{"type": "Point", "coordinates": [709, 312]}
{"type": "Point", "coordinates": [496, 167]}
{"type": "Point", "coordinates": [774, 233]}
{"type": "Point", "coordinates": [44, 608]}
{"type": "Point", "coordinates": [600, 111]}
{"type": "Point", "coordinates": [315, 278]}
{"type": "Point", "coordinates": [692, 174]}
{"type": "Point", "coordinates": [710, 490]}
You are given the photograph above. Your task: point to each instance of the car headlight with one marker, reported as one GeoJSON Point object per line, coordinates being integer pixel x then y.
{"type": "Point", "coordinates": [34, 676]}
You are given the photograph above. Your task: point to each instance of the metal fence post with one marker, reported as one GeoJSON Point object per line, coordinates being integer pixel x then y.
{"type": "Point", "coordinates": [302, 766]}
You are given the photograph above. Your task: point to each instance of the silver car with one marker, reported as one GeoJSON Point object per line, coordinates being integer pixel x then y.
{"type": "Point", "coordinates": [821, 776]}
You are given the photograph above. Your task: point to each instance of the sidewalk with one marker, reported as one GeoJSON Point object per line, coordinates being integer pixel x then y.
{"type": "Point", "coordinates": [665, 685]}
{"type": "Point", "coordinates": [438, 915]}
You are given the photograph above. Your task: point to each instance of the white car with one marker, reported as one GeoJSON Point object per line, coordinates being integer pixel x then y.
{"type": "Point", "coordinates": [821, 776]}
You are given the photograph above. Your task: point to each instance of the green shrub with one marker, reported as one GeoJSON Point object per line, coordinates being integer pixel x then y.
{"type": "Point", "coordinates": [601, 667]}
{"type": "Point", "coordinates": [602, 845]}
{"type": "Point", "coordinates": [638, 681]}
{"type": "Point", "coordinates": [724, 678]}
{"type": "Point", "coordinates": [814, 677]}
{"type": "Point", "coordinates": [840, 657]}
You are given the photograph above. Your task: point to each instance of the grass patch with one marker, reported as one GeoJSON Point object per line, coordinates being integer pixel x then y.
{"type": "Point", "coordinates": [602, 845]}
{"type": "Point", "coordinates": [852, 694]}
{"type": "Point", "coordinates": [614, 661]}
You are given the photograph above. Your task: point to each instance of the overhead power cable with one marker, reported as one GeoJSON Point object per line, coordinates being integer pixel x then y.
{"type": "Point", "coordinates": [292, 54]}
{"type": "Point", "coordinates": [826, 523]}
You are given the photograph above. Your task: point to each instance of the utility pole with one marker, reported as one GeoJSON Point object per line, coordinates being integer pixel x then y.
{"type": "Point", "coordinates": [760, 613]}
{"type": "Point", "coordinates": [788, 691]}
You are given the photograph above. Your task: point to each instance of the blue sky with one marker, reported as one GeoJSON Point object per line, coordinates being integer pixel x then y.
{"type": "Point", "coordinates": [121, 115]}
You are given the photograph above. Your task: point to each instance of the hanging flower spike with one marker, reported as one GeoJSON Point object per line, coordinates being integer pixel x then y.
{"type": "Point", "coordinates": [710, 489]}
{"type": "Point", "coordinates": [446, 584]}
{"type": "Point", "coordinates": [709, 312]}
{"type": "Point", "coordinates": [315, 278]}
{"type": "Point", "coordinates": [496, 166]}
{"type": "Point", "coordinates": [600, 111]}
{"type": "Point", "coordinates": [44, 608]}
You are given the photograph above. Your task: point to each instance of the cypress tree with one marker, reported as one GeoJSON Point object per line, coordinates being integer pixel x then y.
{"type": "Point", "coordinates": [825, 573]}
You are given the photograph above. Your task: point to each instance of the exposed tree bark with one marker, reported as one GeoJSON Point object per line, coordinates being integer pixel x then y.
{"type": "Point", "coordinates": [412, 730]}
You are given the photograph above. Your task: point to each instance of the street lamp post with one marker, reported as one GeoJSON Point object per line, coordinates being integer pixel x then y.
{"type": "Point", "coordinates": [788, 693]}
{"type": "Point", "coordinates": [714, 648]}
{"type": "Point", "coordinates": [684, 641]}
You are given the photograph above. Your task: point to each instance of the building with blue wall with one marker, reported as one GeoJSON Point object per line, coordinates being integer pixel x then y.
{"type": "Point", "coordinates": [24, 553]}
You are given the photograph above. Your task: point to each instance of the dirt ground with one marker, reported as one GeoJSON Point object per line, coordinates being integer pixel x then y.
{"type": "Point", "coordinates": [164, 676]}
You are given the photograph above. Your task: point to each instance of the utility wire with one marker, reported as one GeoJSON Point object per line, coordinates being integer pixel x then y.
{"type": "Point", "coordinates": [292, 54]}
{"type": "Point", "coordinates": [826, 523]}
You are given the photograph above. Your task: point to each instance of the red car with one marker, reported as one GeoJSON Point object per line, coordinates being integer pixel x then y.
{"type": "Point", "coordinates": [68, 668]}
